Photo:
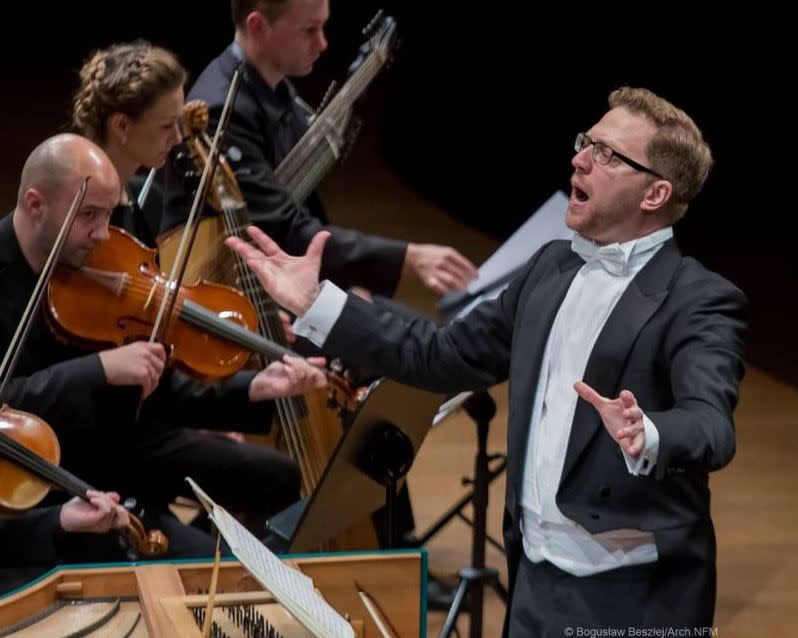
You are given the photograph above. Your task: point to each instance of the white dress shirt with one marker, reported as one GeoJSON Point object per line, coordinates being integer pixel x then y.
{"type": "Point", "coordinates": [547, 534]}
{"type": "Point", "coordinates": [596, 288]}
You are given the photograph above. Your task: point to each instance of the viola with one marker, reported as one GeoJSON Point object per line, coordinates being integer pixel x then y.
{"type": "Point", "coordinates": [29, 457]}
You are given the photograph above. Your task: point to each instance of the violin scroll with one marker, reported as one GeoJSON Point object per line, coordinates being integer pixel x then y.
{"type": "Point", "coordinates": [341, 397]}
{"type": "Point", "coordinates": [195, 118]}
{"type": "Point", "coordinates": [149, 544]}
{"type": "Point", "coordinates": [224, 191]}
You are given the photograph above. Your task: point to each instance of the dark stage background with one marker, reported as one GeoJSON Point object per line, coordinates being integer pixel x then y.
{"type": "Point", "coordinates": [479, 110]}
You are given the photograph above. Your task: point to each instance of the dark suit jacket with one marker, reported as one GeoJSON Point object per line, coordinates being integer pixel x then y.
{"type": "Point", "coordinates": [675, 339]}
{"type": "Point", "coordinates": [30, 543]}
{"type": "Point", "coordinates": [350, 257]}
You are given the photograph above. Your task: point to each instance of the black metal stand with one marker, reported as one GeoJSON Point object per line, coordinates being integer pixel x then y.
{"type": "Point", "coordinates": [390, 514]}
{"type": "Point", "coordinates": [481, 408]}
{"type": "Point", "coordinates": [371, 459]}
{"type": "Point", "coordinates": [386, 459]}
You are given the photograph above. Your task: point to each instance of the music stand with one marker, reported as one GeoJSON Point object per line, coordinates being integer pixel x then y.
{"type": "Point", "coordinates": [544, 225]}
{"type": "Point", "coordinates": [366, 468]}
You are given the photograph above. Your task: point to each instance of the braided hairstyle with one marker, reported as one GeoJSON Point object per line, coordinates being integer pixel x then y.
{"type": "Point", "coordinates": [123, 78]}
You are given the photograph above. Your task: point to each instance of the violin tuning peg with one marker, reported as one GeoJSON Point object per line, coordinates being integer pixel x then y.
{"type": "Point", "coordinates": [336, 365]}
{"type": "Point", "coordinates": [327, 97]}
{"type": "Point", "coordinates": [369, 29]}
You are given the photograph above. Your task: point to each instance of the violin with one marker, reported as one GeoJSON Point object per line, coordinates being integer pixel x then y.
{"type": "Point", "coordinates": [211, 336]}
{"type": "Point", "coordinates": [131, 299]}
{"type": "Point", "coordinates": [29, 457]}
{"type": "Point", "coordinates": [123, 285]}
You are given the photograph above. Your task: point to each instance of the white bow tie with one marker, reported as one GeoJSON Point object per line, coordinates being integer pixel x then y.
{"type": "Point", "coordinates": [612, 257]}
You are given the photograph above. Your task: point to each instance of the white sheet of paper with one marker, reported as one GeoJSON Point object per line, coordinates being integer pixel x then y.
{"type": "Point", "coordinates": [451, 406]}
{"type": "Point", "coordinates": [291, 588]}
{"type": "Point", "coordinates": [205, 500]}
{"type": "Point", "coordinates": [546, 224]}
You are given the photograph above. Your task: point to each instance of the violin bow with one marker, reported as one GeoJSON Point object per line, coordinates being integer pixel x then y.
{"type": "Point", "coordinates": [23, 328]}
{"type": "Point", "coordinates": [192, 225]}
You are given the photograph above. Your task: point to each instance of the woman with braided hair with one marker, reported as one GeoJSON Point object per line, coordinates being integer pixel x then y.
{"type": "Point", "coordinates": [129, 102]}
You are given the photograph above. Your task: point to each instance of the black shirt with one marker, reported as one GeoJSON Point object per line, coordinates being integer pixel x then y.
{"type": "Point", "coordinates": [265, 124]}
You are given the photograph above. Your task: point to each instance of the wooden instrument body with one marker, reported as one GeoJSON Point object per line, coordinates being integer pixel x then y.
{"type": "Point", "coordinates": [19, 489]}
{"type": "Point", "coordinates": [164, 592]}
{"type": "Point", "coordinates": [311, 425]}
{"type": "Point", "coordinates": [114, 300]}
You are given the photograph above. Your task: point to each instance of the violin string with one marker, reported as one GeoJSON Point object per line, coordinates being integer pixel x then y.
{"type": "Point", "coordinates": [59, 477]}
{"type": "Point", "coordinates": [289, 412]}
{"type": "Point", "coordinates": [337, 107]}
{"type": "Point", "coordinates": [294, 411]}
{"type": "Point", "coordinates": [294, 414]}
{"type": "Point", "coordinates": [286, 415]}
{"type": "Point", "coordinates": [310, 443]}
{"type": "Point", "coordinates": [41, 467]}
{"type": "Point", "coordinates": [166, 306]}
{"type": "Point", "coordinates": [223, 328]}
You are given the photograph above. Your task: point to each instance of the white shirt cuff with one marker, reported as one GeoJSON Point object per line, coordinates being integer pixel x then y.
{"type": "Point", "coordinates": [643, 464]}
{"type": "Point", "coordinates": [317, 323]}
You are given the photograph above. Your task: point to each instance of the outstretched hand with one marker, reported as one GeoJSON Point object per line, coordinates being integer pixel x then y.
{"type": "Point", "coordinates": [293, 282]}
{"type": "Point", "coordinates": [622, 417]}
{"type": "Point", "coordinates": [442, 269]}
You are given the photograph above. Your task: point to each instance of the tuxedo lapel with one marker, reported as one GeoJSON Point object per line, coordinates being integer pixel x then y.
{"type": "Point", "coordinates": [532, 329]}
{"type": "Point", "coordinates": [638, 303]}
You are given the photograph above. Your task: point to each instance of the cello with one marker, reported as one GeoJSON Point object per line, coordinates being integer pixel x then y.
{"type": "Point", "coordinates": [29, 450]}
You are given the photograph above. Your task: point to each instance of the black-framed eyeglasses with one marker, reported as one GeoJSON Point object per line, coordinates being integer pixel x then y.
{"type": "Point", "coordinates": [602, 154]}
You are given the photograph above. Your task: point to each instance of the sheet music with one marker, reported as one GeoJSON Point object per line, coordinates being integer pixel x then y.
{"type": "Point", "coordinates": [451, 406]}
{"type": "Point", "coordinates": [205, 500]}
{"type": "Point", "coordinates": [493, 293]}
{"type": "Point", "coordinates": [547, 223]}
{"type": "Point", "coordinates": [292, 589]}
